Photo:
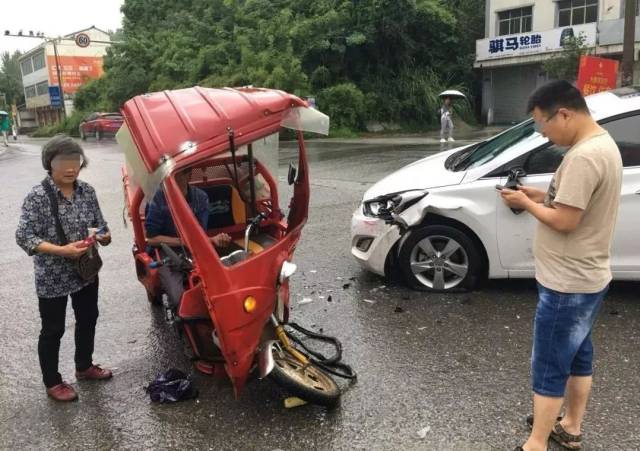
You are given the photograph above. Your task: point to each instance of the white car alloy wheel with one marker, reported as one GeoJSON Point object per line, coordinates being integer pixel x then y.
{"type": "Point", "coordinates": [439, 258]}
{"type": "Point", "coordinates": [439, 269]}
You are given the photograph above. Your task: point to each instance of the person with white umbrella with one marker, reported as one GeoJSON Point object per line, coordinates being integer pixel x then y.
{"type": "Point", "coordinates": [446, 122]}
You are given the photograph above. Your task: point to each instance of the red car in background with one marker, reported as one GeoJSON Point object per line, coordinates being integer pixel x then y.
{"type": "Point", "coordinates": [100, 125]}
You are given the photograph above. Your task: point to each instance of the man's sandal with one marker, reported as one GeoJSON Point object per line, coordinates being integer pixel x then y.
{"type": "Point", "coordinates": [564, 439]}
{"type": "Point", "coordinates": [560, 436]}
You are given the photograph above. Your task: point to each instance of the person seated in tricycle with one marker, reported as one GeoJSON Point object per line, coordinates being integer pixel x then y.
{"type": "Point", "coordinates": [160, 229]}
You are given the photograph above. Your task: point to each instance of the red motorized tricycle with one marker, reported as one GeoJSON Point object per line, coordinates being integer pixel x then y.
{"type": "Point", "coordinates": [234, 307]}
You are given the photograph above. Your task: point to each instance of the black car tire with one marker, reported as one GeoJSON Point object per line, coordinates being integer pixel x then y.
{"type": "Point", "coordinates": [436, 271]}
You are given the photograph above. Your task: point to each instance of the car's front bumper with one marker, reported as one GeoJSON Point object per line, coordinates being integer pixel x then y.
{"type": "Point", "coordinates": [371, 241]}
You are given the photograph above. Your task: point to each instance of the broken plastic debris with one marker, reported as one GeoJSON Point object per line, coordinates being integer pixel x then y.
{"type": "Point", "coordinates": [422, 433]}
{"type": "Point", "coordinates": [313, 271]}
{"type": "Point", "coordinates": [293, 401]}
{"type": "Point", "coordinates": [305, 301]}
{"type": "Point", "coordinates": [370, 301]}
{"type": "Point", "coordinates": [422, 328]}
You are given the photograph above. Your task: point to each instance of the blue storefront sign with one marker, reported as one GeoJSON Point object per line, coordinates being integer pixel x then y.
{"type": "Point", "coordinates": [54, 96]}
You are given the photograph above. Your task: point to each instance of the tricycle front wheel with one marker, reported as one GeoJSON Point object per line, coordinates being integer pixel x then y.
{"type": "Point", "coordinates": [155, 298]}
{"type": "Point", "coordinates": [306, 381]}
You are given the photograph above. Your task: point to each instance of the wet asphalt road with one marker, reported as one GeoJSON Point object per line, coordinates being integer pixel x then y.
{"type": "Point", "coordinates": [436, 372]}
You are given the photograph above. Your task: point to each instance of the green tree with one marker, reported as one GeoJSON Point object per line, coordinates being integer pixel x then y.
{"type": "Point", "coordinates": [11, 78]}
{"type": "Point", "coordinates": [388, 58]}
{"type": "Point", "coordinates": [565, 66]}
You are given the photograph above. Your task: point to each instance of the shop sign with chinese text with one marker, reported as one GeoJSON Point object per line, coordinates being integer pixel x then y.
{"type": "Point", "coordinates": [532, 42]}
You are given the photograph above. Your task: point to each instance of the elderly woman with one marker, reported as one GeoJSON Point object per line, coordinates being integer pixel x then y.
{"type": "Point", "coordinates": [56, 252]}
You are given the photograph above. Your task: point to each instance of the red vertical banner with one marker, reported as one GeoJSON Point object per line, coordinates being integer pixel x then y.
{"type": "Point", "coordinates": [596, 74]}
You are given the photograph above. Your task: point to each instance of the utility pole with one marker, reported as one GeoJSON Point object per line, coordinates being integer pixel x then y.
{"type": "Point", "coordinates": [55, 54]}
{"type": "Point", "coordinates": [628, 46]}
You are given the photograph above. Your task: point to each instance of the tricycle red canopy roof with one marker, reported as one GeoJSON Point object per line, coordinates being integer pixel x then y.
{"type": "Point", "coordinates": [167, 124]}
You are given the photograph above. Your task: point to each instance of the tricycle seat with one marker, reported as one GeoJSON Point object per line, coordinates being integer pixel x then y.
{"type": "Point", "coordinates": [226, 207]}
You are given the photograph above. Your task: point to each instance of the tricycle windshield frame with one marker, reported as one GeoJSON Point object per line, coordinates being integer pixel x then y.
{"type": "Point", "coordinates": [305, 119]}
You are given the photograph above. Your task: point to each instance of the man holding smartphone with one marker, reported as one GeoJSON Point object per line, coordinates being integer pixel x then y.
{"type": "Point", "coordinates": [576, 220]}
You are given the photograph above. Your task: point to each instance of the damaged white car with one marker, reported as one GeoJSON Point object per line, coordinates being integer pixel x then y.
{"type": "Point", "coordinates": [442, 225]}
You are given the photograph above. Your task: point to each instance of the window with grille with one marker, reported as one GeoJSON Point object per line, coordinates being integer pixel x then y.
{"type": "Point", "coordinates": [38, 61]}
{"type": "Point", "coordinates": [42, 88]}
{"type": "Point", "coordinates": [576, 12]}
{"type": "Point", "coordinates": [515, 21]}
{"type": "Point", "coordinates": [26, 66]}
{"type": "Point", "coordinates": [30, 91]}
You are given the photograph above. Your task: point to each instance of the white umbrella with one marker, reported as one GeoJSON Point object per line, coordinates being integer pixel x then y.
{"type": "Point", "coordinates": [452, 93]}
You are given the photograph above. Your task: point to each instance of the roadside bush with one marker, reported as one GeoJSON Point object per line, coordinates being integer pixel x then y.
{"type": "Point", "coordinates": [342, 132]}
{"type": "Point", "coordinates": [69, 126]}
{"type": "Point", "coordinates": [45, 131]}
{"type": "Point", "coordinates": [345, 105]}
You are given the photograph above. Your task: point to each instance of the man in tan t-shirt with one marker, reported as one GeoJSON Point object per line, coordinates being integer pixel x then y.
{"type": "Point", "coordinates": [576, 217]}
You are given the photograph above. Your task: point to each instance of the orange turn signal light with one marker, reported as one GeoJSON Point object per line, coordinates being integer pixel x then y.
{"type": "Point", "coordinates": [250, 304]}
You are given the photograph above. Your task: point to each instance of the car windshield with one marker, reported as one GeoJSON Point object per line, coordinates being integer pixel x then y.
{"type": "Point", "coordinates": [490, 149]}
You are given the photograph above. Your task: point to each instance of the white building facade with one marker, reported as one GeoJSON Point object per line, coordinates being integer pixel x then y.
{"type": "Point", "coordinates": [77, 65]}
{"type": "Point", "coordinates": [521, 34]}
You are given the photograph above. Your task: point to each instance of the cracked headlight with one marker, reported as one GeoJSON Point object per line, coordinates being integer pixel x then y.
{"type": "Point", "coordinates": [384, 207]}
{"type": "Point", "coordinates": [379, 207]}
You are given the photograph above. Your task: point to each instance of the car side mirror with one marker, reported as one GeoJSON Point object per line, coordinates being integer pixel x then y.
{"type": "Point", "coordinates": [514, 176]}
{"type": "Point", "coordinates": [513, 180]}
{"type": "Point", "coordinates": [292, 176]}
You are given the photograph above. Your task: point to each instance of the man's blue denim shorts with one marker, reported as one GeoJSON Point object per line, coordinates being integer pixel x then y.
{"type": "Point", "coordinates": [562, 339]}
